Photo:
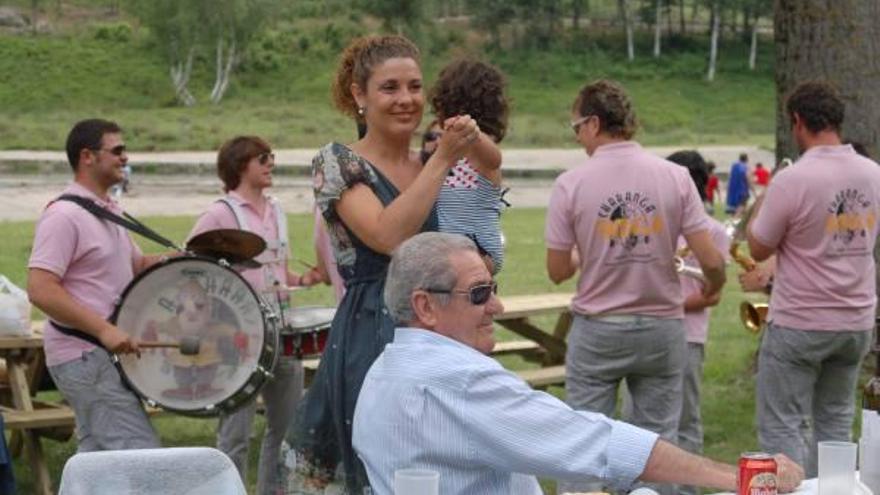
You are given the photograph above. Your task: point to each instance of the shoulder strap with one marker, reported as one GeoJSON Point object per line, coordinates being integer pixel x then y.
{"type": "Point", "coordinates": [126, 221]}
{"type": "Point", "coordinates": [235, 206]}
{"type": "Point", "coordinates": [281, 219]}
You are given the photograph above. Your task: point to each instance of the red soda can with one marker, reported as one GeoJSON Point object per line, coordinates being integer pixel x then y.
{"type": "Point", "coordinates": [757, 474]}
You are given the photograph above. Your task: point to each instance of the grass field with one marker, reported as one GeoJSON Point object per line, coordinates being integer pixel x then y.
{"type": "Point", "coordinates": [79, 73]}
{"type": "Point", "coordinates": [728, 399]}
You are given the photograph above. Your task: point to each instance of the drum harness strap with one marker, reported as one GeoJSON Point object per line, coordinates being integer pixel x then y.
{"type": "Point", "coordinates": [279, 245]}
{"type": "Point", "coordinates": [127, 221]}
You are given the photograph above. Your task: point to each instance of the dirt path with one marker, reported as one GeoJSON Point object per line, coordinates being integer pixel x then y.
{"type": "Point", "coordinates": [22, 197]}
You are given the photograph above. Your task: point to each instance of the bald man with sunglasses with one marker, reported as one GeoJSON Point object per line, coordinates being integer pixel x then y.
{"type": "Point", "coordinates": [435, 400]}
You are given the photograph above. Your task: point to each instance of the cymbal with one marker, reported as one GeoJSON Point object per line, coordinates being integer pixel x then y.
{"type": "Point", "coordinates": [233, 245]}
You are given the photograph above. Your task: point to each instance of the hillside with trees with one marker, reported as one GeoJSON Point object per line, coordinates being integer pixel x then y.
{"type": "Point", "coordinates": [183, 74]}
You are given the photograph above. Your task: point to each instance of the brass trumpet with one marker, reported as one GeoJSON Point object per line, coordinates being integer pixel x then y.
{"type": "Point", "coordinates": [752, 315]}
{"type": "Point", "coordinates": [688, 271]}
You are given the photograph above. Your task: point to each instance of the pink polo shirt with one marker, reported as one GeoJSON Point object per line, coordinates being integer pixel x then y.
{"type": "Point", "coordinates": [821, 216]}
{"type": "Point", "coordinates": [325, 250]}
{"type": "Point", "coordinates": [696, 323]}
{"type": "Point", "coordinates": [220, 216]}
{"type": "Point", "coordinates": [94, 259]}
{"type": "Point", "coordinates": [624, 210]}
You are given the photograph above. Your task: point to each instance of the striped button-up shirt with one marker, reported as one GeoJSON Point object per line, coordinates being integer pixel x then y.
{"type": "Point", "coordinates": [434, 403]}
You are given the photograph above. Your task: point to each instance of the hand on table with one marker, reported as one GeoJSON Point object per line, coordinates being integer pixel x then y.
{"type": "Point", "coordinates": [789, 474]}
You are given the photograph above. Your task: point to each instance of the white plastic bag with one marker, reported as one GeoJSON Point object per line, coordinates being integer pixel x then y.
{"type": "Point", "coordinates": [15, 310]}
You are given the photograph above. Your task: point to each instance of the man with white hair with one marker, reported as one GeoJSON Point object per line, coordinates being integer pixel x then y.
{"type": "Point", "coordinates": [434, 399]}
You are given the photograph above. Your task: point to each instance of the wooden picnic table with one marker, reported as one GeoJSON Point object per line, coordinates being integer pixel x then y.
{"type": "Point", "coordinates": [30, 419]}
{"type": "Point", "coordinates": [518, 315]}
{"type": "Point", "coordinates": [25, 366]}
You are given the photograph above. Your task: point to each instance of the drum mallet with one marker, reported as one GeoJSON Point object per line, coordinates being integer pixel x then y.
{"type": "Point", "coordinates": [188, 346]}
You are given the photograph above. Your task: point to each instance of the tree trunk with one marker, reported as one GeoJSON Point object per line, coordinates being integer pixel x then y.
{"type": "Point", "coordinates": [35, 12]}
{"type": "Point", "coordinates": [623, 8]}
{"type": "Point", "coordinates": [658, 6]}
{"type": "Point", "coordinates": [713, 43]}
{"type": "Point", "coordinates": [576, 14]}
{"type": "Point", "coordinates": [224, 70]}
{"type": "Point", "coordinates": [681, 22]}
{"type": "Point", "coordinates": [838, 42]}
{"type": "Point", "coordinates": [753, 50]}
{"type": "Point", "coordinates": [180, 73]}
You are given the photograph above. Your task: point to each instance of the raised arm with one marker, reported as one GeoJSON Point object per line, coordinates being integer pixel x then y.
{"type": "Point", "coordinates": [485, 156]}
{"type": "Point", "coordinates": [710, 259]}
{"type": "Point", "coordinates": [382, 228]}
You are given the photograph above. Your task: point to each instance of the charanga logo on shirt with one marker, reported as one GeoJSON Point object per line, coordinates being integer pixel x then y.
{"type": "Point", "coordinates": [850, 219]}
{"type": "Point", "coordinates": [628, 219]}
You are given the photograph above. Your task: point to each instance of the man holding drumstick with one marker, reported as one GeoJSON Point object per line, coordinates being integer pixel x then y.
{"type": "Point", "coordinates": [245, 164]}
{"type": "Point", "coordinates": [79, 265]}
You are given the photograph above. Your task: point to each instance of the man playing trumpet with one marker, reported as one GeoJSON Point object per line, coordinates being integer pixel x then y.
{"type": "Point", "coordinates": [696, 318]}
{"type": "Point", "coordinates": [820, 219]}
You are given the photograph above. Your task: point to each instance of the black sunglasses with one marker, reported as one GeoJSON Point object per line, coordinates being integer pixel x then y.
{"type": "Point", "coordinates": [264, 158]}
{"type": "Point", "coordinates": [477, 295]}
{"type": "Point", "coordinates": [116, 150]}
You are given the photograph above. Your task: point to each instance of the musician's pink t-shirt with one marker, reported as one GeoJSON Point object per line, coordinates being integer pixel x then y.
{"type": "Point", "coordinates": [220, 216]}
{"type": "Point", "coordinates": [696, 323]}
{"type": "Point", "coordinates": [94, 259]}
{"type": "Point", "coordinates": [624, 210]}
{"type": "Point", "coordinates": [324, 249]}
{"type": "Point", "coordinates": [821, 215]}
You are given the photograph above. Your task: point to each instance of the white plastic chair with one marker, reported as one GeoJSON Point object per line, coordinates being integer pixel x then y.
{"type": "Point", "coordinates": [177, 471]}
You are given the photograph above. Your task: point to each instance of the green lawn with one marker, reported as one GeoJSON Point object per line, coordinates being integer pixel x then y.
{"type": "Point", "coordinates": [289, 103]}
{"type": "Point", "coordinates": [728, 387]}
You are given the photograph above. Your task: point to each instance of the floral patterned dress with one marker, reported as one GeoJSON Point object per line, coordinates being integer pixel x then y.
{"type": "Point", "coordinates": [361, 329]}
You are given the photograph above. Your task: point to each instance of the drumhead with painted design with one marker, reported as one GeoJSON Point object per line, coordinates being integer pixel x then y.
{"type": "Point", "coordinates": [193, 298]}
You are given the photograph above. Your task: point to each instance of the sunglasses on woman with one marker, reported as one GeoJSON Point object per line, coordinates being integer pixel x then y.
{"type": "Point", "coordinates": [478, 295]}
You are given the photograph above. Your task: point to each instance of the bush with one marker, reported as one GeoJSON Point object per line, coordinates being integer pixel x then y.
{"type": "Point", "coordinates": [119, 32]}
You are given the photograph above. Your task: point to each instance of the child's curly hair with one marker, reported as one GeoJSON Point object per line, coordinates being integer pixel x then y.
{"type": "Point", "coordinates": [471, 87]}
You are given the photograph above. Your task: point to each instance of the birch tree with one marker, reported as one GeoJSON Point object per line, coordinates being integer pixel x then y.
{"type": "Point", "coordinates": [658, 9]}
{"type": "Point", "coordinates": [623, 11]}
{"type": "Point", "coordinates": [713, 39]}
{"type": "Point", "coordinates": [222, 28]}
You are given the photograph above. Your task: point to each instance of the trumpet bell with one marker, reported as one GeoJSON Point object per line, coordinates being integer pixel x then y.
{"type": "Point", "coordinates": [753, 316]}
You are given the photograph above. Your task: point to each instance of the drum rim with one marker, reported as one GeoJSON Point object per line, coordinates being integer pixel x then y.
{"type": "Point", "coordinates": [217, 408]}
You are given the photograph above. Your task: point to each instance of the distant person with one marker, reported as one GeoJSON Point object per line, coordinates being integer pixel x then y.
{"type": "Point", "coordinates": [79, 266]}
{"type": "Point", "coordinates": [429, 140]}
{"type": "Point", "coordinates": [762, 176]}
{"type": "Point", "coordinates": [712, 188]}
{"type": "Point", "coordinates": [434, 399]}
{"type": "Point", "coordinates": [470, 199]}
{"type": "Point", "coordinates": [697, 309]}
{"type": "Point", "coordinates": [326, 266]}
{"type": "Point", "coordinates": [819, 218]}
{"type": "Point", "coordinates": [623, 211]}
{"type": "Point", "coordinates": [738, 186]}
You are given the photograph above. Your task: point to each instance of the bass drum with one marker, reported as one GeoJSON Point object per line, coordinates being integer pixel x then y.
{"type": "Point", "coordinates": [197, 299]}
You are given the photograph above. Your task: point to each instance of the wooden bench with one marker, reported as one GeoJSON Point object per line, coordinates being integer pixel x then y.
{"type": "Point", "coordinates": [30, 419]}
{"type": "Point", "coordinates": [544, 377]}
{"type": "Point", "coordinates": [518, 314]}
